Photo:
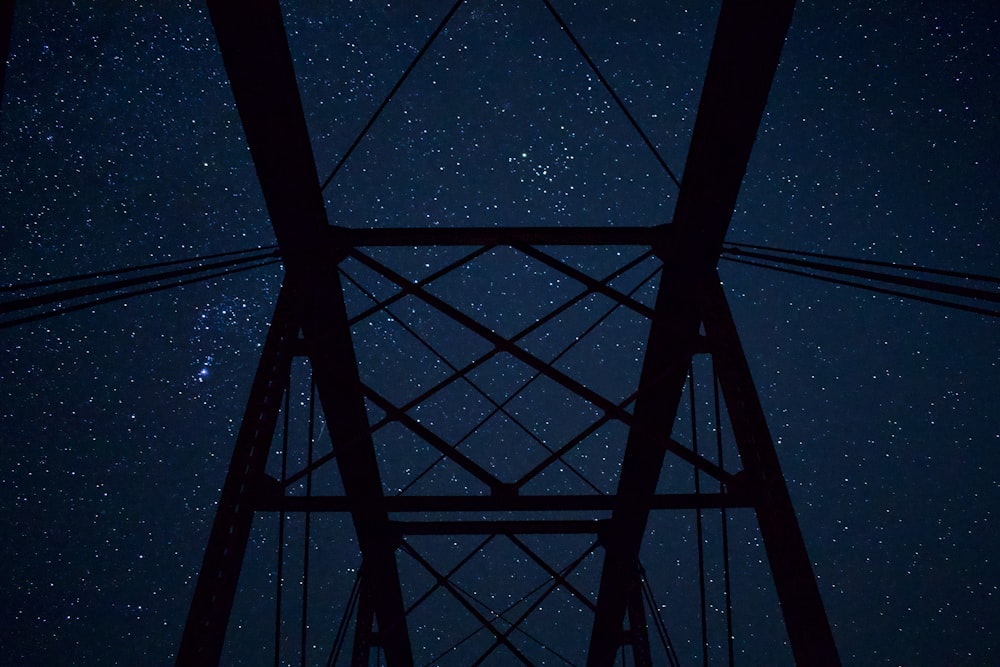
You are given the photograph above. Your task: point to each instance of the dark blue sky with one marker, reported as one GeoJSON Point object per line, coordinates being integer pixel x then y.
{"type": "Point", "coordinates": [120, 145]}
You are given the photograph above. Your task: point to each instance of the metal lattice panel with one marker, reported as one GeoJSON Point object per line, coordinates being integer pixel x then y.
{"type": "Point", "coordinates": [537, 437]}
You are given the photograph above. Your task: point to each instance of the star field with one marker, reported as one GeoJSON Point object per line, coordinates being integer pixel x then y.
{"type": "Point", "coordinates": [120, 145]}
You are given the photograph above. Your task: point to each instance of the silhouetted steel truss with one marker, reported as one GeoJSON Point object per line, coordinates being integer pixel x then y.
{"type": "Point", "coordinates": [339, 279]}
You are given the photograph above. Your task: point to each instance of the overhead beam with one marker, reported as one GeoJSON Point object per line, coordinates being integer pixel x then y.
{"type": "Point", "coordinates": [488, 236]}
{"type": "Point", "coordinates": [500, 527]}
{"type": "Point", "coordinates": [500, 503]}
{"type": "Point", "coordinates": [745, 53]}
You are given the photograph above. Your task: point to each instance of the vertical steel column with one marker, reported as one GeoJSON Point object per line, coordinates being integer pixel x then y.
{"type": "Point", "coordinates": [808, 628]}
{"type": "Point", "coordinates": [254, 46]}
{"type": "Point", "coordinates": [212, 603]}
{"type": "Point", "coordinates": [745, 54]}
{"type": "Point", "coordinates": [330, 348]}
{"type": "Point", "coordinates": [673, 337]}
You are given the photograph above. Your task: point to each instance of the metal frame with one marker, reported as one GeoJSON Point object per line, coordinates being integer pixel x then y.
{"type": "Point", "coordinates": [312, 318]}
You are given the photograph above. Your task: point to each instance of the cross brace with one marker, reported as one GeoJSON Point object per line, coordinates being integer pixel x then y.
{"type": "Point", "coordinates": [745, 53]}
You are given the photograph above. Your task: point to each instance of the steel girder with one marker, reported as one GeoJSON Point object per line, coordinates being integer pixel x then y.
{"type": "Point", "coordinates": [747, 46]}
{"type": "Point", "coordinates": [253, 42]}
{"type": "Point", "coordinates": [205, 630]}
{"type": "Point", "coordinates": [745, 54]}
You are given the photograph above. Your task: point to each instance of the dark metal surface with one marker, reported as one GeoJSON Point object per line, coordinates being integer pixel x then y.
{"type": "Point", "coordinates": [745, 54]}
{"type": "Point", "coordinates": [638, 632]}
{"type": "Point", "coordinates": [499, 527]}
{"type": "Point", "coordinates": [456, 504]}
{"type": "Point", "coordinates": [473, 236]}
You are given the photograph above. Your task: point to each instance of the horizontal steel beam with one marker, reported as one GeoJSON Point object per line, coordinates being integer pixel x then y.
{"type": "Point", "coordinates": [748, 41]}
{"type": "Point", "coordinates": [479, 236]}
{"type": "Point", "coordinates": [567, 503]}
{"type": "Point", "coordinates": [552, 527]}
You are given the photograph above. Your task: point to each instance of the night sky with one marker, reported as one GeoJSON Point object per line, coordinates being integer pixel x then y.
{"type": "Point", "coordinates": [120, 146]}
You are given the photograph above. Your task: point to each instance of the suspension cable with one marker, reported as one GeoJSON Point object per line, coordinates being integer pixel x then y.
{"type": "Point", "coordinates": [905, 281]}
{"type": "Point", "coordinates": [392, 93]}
{"type": "Point", "coordinates": [869, 262]}
{"type": "Point", "coordinates": [127, 295]}
{"type": "Point", "coordinates": [699, 528]}
{"type": "Point", "coordinates": [611, 91]}
{"type": "Point", "coordinates": [306, 539]}
{"type": "Point", "coordinates": [658, 622]}
{"type": "Point", "coordinates": [280, 574]}
{"type": "Point", "coordinates": [725, 520]}
{"type": "Point", "coordinates": [250, 258]}
{"type": "Point", "coordinates": [872, 288]}
{"type": "Point", "coordinates": [20, 287]}
{"type": "Point", "coordinates": [25, 303]}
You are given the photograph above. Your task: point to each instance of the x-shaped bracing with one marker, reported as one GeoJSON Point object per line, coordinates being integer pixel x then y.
{"type": "Point", "coordinates": [533, 598]}
{"type": "Point", "coordinates": [745, 53]}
